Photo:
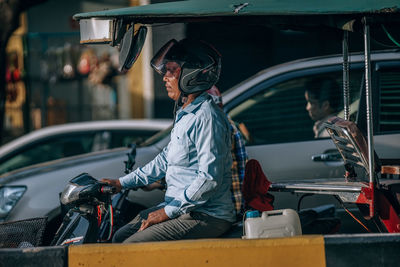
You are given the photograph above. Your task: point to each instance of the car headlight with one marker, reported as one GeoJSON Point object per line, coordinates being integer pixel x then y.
{"type": "Point", "coordinates": [9, 196]}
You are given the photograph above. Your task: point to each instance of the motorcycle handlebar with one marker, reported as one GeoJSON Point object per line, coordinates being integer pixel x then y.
{"type": "Point", "coordinates": [106, 189]}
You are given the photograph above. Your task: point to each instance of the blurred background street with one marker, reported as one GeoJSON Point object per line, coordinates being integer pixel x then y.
{"type": "Point", "coordinates": [52, 79]}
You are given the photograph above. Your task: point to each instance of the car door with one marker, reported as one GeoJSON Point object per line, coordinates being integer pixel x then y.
{"type": "Point", "coordinates": [280, 131]}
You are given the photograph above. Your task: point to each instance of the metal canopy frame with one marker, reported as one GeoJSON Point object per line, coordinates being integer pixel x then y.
{"type": "Point", "coordinates": [368, 94]}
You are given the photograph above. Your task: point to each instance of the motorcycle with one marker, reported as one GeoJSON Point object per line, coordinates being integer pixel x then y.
{"type": "Point", "coordinates": [94, 212]}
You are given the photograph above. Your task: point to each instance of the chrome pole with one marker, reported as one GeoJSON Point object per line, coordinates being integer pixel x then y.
{"type": "Point", "coordinates": [368, 95]}
{"type": "Point", "coordinates": [346, 81]}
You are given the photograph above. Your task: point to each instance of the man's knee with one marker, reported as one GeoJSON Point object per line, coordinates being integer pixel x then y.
{"type": "Point", "coordinates": [118, 237]}
{"type": "Point", "coordinates": [124, 232]}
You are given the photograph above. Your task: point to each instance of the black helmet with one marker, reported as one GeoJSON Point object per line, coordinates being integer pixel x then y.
{"type": "Point", "coordinates": [200, 64]}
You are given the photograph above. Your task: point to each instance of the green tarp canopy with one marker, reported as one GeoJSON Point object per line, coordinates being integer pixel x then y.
{"type": "Point", "coordinates": [334, 13]}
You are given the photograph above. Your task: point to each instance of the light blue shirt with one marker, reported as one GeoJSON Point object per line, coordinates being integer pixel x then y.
{"type": "Point", "coordinates": [196, 163]}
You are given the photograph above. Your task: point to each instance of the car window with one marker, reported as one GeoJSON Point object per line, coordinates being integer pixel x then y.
{"type": "Point", "coordinates": [278, 113]}
{"type": "Point", "coordinates": [120, 138]}
{"type": "Point", "coordinates": [125, 138]}
{"type": "Point", "coordinates": [389, 95]}
{"type": "Point", "coordinates": [157, 137]}
{"type": "Point", "coordinates": [50, 149]}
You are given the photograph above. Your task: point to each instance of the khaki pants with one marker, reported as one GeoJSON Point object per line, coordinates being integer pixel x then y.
{"type": "Point", "coordinates": [187, 226]}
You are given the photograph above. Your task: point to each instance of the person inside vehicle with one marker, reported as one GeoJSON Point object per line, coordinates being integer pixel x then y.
{"type": "Point", "coordinates": [197, 161]}
{"type": "Point", "coordinates": [322, 102]}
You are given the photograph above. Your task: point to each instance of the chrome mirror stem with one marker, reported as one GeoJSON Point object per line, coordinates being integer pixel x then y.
{"type": "Point", "coordinates": [346, 79]}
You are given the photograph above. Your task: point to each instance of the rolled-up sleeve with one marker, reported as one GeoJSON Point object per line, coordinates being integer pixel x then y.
{"type": "Point", "coordinates": [148, 174]}
{"type": "Point", "coordinates": [210, 138]}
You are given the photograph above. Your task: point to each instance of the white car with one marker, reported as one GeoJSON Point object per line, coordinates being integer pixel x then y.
{"type": "Point", "coordinates": [270, 104]}
{"type": "Point", "coordinates": [70, 139]}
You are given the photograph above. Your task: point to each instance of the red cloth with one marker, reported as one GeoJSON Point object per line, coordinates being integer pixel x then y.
{"type": "Point", "coordinates": [255, 188]}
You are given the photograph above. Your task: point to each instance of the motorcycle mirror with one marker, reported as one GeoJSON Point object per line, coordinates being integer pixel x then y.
{"type": "Point", "coordinates": [131, 159]}
{"type": "Point", "coordinates": [131, 46]}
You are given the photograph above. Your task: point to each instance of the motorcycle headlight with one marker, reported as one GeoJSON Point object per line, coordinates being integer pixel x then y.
{"type": "Point", "coordinates": [69, 194]}
{"type": "Point", "coordinates": [75, 187]}
{"type": "Point", "coordinates": [9, 196]}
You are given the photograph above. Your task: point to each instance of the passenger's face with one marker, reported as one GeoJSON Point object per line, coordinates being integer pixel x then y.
{"type": "Point", "coordinates": [171, 78]}
{"type": "Point", "coordinates": [316, 110]}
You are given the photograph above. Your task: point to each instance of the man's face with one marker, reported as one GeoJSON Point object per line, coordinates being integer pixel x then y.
{"type": "Point", "coordinates": [316, 110]}
{"type": "Point", "coordinates": [171, 78]}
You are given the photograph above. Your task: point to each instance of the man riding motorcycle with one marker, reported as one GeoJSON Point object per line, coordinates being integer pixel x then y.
{"type": "Point", "coordinates": [197, 161]}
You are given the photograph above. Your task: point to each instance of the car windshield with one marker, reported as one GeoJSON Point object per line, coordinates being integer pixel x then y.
{"type": "Point", "coordinates": [156, 138]}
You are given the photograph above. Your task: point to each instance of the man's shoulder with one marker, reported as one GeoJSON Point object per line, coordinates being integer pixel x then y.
{"type": "Point", "coordinates": [215, 113]}
{"type": "Point", "coordinates": [208, 109]}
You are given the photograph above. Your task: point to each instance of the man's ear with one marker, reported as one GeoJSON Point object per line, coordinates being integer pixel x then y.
{"type": "Point", "coordinates": [325, 105]}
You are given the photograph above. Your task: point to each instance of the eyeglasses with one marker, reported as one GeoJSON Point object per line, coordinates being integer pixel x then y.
{"type": "Point", "coordinates": [172, 69]}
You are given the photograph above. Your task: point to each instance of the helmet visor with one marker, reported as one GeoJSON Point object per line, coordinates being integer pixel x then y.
{"type": "Point", "coordinates": [161, 59]}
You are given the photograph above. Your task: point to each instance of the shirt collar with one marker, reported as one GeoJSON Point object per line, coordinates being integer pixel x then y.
{"type": "Point", "coordinates": [193, 106]}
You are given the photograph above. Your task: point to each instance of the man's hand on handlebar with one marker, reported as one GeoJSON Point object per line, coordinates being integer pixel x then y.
{"type": "Point", "coordinates": [115, 183]}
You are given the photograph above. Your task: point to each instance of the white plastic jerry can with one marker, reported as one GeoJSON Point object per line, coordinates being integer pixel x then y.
{"type": "Point", "coordinates": [274, 223]}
